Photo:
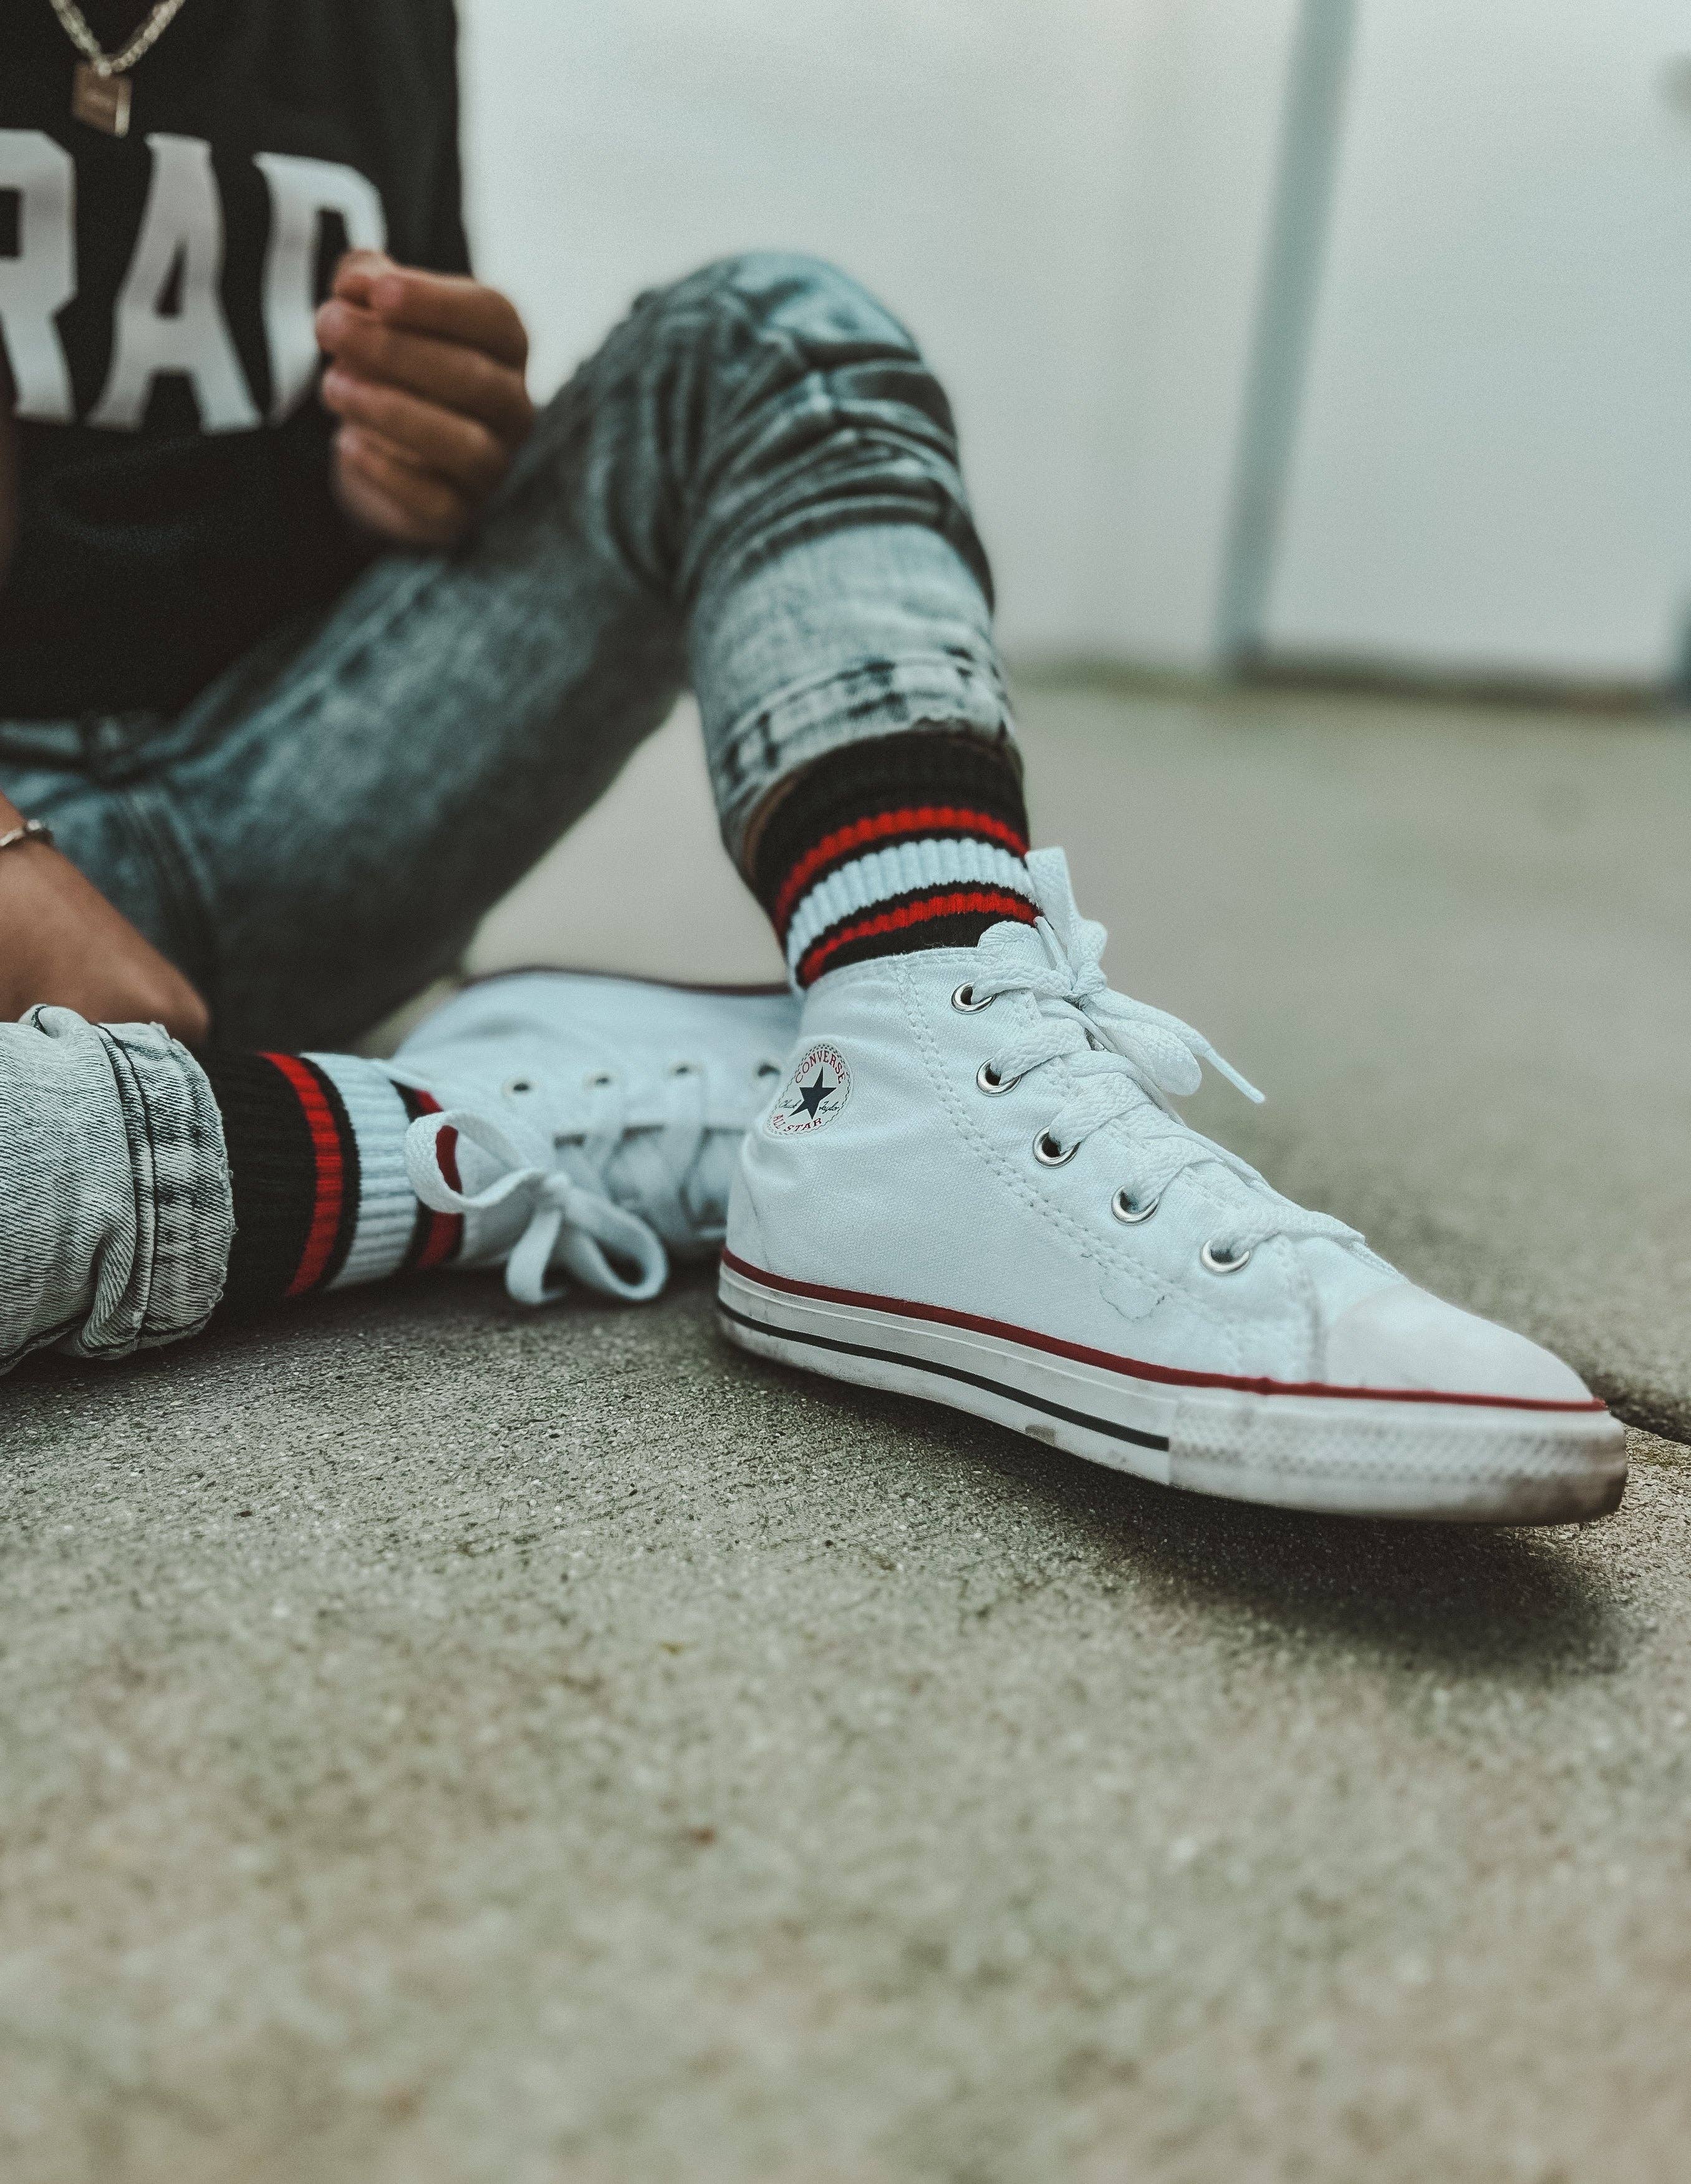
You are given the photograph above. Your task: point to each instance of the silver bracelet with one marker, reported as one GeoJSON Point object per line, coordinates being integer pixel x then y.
{"type": "Point", "coordinates": [32, 830]}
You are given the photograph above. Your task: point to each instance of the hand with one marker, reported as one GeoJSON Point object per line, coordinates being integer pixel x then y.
{"type": "Point", "coordinates": [426, 377]}
{"type": "Point", "coordinates": [64, 943]}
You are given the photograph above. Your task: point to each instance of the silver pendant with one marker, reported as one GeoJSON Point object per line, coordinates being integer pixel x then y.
{"type": "Point", "coordinates": [101, 101]}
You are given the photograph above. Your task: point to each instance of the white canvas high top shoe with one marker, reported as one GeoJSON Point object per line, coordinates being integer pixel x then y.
{"type": "Point", "coordinates": [588, 1124]}
{"type": "Point", "coordinates": [971, 1186]}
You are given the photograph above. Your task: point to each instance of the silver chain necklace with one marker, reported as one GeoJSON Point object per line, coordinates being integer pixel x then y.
{"type": "Point", "coordinates": [99, 95]}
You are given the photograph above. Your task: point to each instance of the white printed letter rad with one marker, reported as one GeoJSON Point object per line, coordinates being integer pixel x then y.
{"type": "Point", "coordinates": [182, 239]}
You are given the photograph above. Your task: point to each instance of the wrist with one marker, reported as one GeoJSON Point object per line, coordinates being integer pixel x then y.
{"type": "Point", "coordinates": [27, 851]}
{"type": "Point", "coordinates": [22, 833]}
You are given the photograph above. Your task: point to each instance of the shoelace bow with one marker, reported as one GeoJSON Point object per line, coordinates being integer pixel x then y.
{"type": "Point", "coordinates": [663, 1159]}
{"type": "Point", "coordinates": [1119, 1053]}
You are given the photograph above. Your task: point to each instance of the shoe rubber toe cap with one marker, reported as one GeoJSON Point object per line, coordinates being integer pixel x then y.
{"type": "Point", "coordinates": [1401, 1337]}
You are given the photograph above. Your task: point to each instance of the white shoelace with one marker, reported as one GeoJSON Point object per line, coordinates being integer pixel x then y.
{"type": "Point", "coordinates": [1125, 1055]}
{"type": "Point", "coordinates": [673, 1157]}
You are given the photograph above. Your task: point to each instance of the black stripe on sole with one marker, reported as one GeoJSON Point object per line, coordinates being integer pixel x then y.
{"type": "Point", "coordinates": [950, 1373]}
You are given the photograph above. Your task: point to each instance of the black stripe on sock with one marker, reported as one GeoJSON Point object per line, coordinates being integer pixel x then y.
{"type": "Point", "coordinates": [861, 780]}
{"type": "Point", "coordinates": [273, 1175]}
{"type": "Point", "coordinates": [956, 929]}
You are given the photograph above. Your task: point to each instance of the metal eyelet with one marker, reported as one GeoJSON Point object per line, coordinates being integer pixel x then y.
{"type": "Point", "coordinates": [513, 1085]}
{"type": "Point", "coordinates": [1049, 1154]}
{"type": "Point", "coordinates": [1122, 1206]}
{"type": "Point", "coordinates": [683, 1069]}
{"type": "Point", "coordinates": [596, 1079]}
{"type": "Point", "coordinates": [963, 999]}
{"type": "Point", "coordinates": [988, 1080]}
{"type": "Point", "coordinates": [1217, 1264]}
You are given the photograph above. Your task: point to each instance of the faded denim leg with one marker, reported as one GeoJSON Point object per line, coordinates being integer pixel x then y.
{"type": "Point", "coordinates": [753, 487]}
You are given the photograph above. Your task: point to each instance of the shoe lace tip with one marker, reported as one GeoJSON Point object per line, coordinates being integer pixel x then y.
{"type": "Point", "coordinates": [1240, 1082]}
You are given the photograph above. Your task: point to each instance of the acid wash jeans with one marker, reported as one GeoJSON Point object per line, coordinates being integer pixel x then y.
{"type": "Point", "coordinates": [752, 489]}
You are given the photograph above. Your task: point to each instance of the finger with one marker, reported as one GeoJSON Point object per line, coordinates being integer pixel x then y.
{"type": "Point", "coordinates": [385, 513]}
{"type": "Point", "coordinates": [452, 306]}
{"type": "Point", "coordinates": [431, 512]}
{"type": "Point", "coordinates": [357, 272]}
{"type": "Point", "coordinates": [461, 449]}
{"type": "Point", "coordinates": [374, 509]}
{"type": "Point", "coordinates": [440, 371]}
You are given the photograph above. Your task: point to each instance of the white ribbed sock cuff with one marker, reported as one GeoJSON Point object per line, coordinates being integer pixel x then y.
{"type": "Point", "coordinates": [387, 1217]}
{"type": "Point", "coordinates": [903, 869]}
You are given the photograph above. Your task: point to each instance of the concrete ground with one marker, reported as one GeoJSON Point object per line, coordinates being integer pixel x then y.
{"type": "Point", "coordinates": [441, 1744]}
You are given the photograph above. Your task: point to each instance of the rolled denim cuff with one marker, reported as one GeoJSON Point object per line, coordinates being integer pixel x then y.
{"type": "Point", "coordinates": [120, 1210]}
{"type": "Point", "coordinates": [184, 1205]}
{"type": "Point", "coordinates": [863, 632]}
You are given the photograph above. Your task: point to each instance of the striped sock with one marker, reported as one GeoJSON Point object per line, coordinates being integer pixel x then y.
{"type": "Point", "coordinates": [316, 1156]}
{"type": "Point", "coordinates": [908, 841]}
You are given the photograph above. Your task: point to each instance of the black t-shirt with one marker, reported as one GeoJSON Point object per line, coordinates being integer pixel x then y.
{"type": "Point", "coordinates": [156, 300]}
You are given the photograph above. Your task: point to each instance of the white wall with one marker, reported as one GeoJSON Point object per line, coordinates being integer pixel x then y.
{"type": "Point", "coordinates": [1064, 198]}
{"type": "Point", "coordinates": [1493, 464]}
{"type": "Point", "coordinates": [1067, 200]}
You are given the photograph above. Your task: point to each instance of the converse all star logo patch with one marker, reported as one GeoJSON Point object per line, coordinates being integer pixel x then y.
{"type": "Point", "coordinates": [816, 1093]}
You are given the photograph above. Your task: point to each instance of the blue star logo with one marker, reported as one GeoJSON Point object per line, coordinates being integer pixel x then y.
{"type": "Point", "coordinates": [812, 1095]}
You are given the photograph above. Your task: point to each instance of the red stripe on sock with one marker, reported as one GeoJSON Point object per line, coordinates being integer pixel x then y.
{"type": "Point", "coordinates": [890, 826]}
{"type": "Point", "coordinates": [989, 902]}
{"type": "Point", "coordinates": [445, 1230]}
{"type": "Point", "coordinates": [329, 1194]}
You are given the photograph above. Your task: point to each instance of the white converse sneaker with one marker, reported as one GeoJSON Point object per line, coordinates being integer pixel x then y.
{"type": "Point", "coordinates": [971, 1186]}
{"type": "Point", "coordinates": [595, 1120]}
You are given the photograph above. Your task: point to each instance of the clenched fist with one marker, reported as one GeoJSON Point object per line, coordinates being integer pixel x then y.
{"type": "Point", "coordinates": [426, 374]}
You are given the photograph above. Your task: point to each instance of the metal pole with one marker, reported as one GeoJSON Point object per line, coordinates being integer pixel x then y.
{"type": "Point", "coordinates": [1285, 312]}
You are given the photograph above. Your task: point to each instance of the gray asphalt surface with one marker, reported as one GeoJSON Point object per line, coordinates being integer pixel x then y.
{"type": "Point", "coordinates": [441, 1744]}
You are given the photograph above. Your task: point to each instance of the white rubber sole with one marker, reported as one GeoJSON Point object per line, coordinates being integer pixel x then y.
{"type": "Point", "coordinates": [1454, 1462]}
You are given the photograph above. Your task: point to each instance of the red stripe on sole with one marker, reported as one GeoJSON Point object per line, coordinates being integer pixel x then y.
{"type": "Point", "coordinates": [1136, 1369]}
{"type": "Point", "coordinates": [891, 826]}
{"type": "Point", "coordinates": [329, 1196]}
{"type": "Point", "coordinates": [989, 902]}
